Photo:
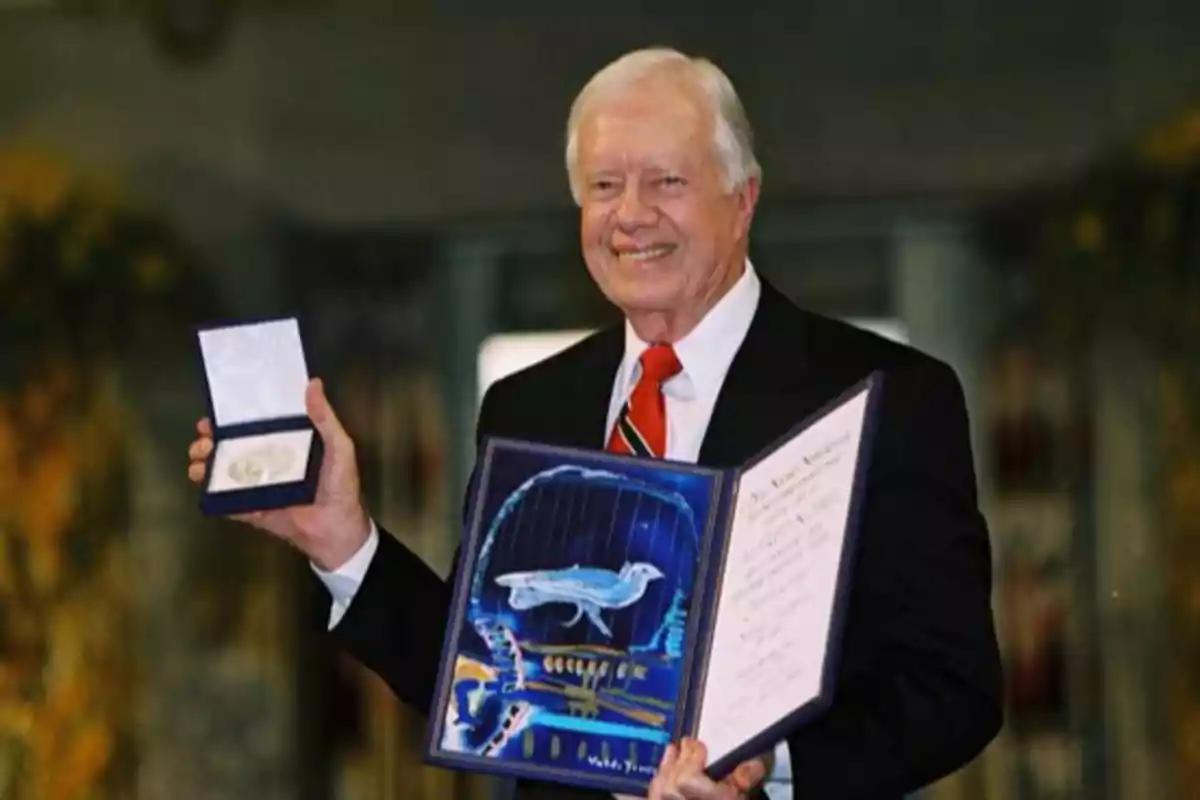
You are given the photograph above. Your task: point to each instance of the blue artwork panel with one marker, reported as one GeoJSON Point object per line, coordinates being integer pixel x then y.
{"type": "Point", "coordinates": [573, 640]}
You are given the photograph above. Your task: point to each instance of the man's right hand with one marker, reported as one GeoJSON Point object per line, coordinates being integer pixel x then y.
{"type": "Point", "coordinates": [335, 525]}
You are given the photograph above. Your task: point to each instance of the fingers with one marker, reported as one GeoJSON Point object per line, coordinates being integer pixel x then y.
{"type": "Point", "coordinates": [748, 775]}
{"type": "Point", "coordinates": [659, 787]}
{"type": "Point", "coordinates": [680, 775]}
{"type": "Point", "coordinates": [691, 780]}
{"type": "Point", "coordinates": [199, 451]}
{"type": "Point", "coordinates": [692, 754]}
{"type": "Point", "coordinates": [323, 417]}
{"type": "Point", "coordinates": [670, 758]}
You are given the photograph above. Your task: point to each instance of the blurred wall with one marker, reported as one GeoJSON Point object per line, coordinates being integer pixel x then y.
{"type": "Point", "coordinates": [356, 113]}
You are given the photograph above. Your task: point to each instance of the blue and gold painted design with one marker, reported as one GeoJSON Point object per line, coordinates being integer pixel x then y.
{"type": "Point", "coordinates": [571, 653]}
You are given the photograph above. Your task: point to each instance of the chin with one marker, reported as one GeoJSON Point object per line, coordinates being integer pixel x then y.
{"type": "Point", "coordinates": [635, 303]}
{"type": "Point", "coordinates": [652, 286]}
{"type": "Point", "coordinates": [649, 289]}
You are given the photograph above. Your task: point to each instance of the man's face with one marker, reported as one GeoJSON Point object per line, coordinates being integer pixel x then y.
{"type": "Point", "coordinates": [661, 236]}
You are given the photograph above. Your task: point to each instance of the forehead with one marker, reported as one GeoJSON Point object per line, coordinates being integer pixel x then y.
{"type": "Point", "coordinates": [650, 121]}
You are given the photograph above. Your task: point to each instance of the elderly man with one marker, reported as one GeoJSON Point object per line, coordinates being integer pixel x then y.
{"type": "Point", "coordinates": [718, 364]}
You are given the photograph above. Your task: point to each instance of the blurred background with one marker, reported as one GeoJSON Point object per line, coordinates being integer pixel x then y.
{"type": "Point", "coordinates": [1013, 186]}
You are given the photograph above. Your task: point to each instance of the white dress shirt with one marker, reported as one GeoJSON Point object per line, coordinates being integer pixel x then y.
{"type": "Point", "coordinates": [705, 355]}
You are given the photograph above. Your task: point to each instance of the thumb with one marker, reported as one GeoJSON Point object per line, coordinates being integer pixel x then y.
{"type": "Point", "coordinates": [321, 413]}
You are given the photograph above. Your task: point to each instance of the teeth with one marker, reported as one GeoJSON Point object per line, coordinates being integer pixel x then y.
{"type": "Point", "coordinates": [647, 254]}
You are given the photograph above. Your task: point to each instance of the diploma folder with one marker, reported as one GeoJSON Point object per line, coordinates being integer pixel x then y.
{"type": "Point", "coordinates": [266, 453]}
{"type": "Point", "coordinates": [606, 605]}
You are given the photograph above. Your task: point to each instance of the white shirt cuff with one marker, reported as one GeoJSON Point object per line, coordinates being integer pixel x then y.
{"type": "Point", "coordinates": [344, 582]}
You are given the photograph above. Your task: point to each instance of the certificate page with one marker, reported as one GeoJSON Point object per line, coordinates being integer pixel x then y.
{"type": "Point", "coordinates": [775, 608]}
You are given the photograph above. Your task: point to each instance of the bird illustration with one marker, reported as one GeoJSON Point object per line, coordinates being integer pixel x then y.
{"type": "Point", "coordinates": [589, 589]}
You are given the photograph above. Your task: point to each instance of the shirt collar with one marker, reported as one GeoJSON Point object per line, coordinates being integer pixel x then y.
{"type": "Point", "coordinates": [708, 350]}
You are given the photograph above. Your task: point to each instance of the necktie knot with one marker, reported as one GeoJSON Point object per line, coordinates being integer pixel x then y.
{"type": "Point", "coordinates": [660, 363]}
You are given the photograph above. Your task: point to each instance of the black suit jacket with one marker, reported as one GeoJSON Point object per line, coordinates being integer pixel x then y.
{"type": "Point", "coordinates": [919, 690]}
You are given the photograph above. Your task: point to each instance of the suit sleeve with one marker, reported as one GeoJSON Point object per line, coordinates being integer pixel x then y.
{"type": "Point", "coordinates": [396, 623]}
{"type": "Point", "coordinates": [923, 697]}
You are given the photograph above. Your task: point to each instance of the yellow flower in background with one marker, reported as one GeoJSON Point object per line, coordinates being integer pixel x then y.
{"type": "Point", "coordinates": [9, 492]}
{"type": "Point", "coordinates": [37, 182]}
{"type": "Point", "coordinates": [1089, 232]}
{"type": "Point", "coordinates": [33, 181]}
{"type": "Point", "coordinates": [5, 246]}
{"type": "Point", "coordinates": [8, 586]}
{"type": "Point", "coordinates": [85, 758]}
{"type": "Point", "coordinates": [98, 438]}
{"type": "Point", "coordinates": [67, 673]}
{"type": "Point", "coordinates": [90, 231]}
{"type": "Point", "coordinates": [1176, 144]}
{"type": "Point", "coordinates": [151, 271]}
{"type": "Point", "coordinates": [1183, 490]}
{"type": "Point", "coordinates": [16, 717]}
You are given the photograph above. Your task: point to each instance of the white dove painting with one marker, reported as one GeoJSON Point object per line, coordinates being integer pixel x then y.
{"type": "Point", "coordinates": [590, 589]}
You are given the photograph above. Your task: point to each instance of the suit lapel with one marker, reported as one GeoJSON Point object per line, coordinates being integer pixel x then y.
{"type": "Point", "coordinates": [581, 423]}
{"type": "Point", "coordinates": [766, 391]}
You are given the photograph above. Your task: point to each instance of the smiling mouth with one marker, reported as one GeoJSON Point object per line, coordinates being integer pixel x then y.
{"type": "Point", "coordinates": [644, 254]}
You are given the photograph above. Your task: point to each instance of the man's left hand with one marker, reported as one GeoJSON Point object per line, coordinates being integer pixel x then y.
{"type": "Point", "coordinates": [681, 776]}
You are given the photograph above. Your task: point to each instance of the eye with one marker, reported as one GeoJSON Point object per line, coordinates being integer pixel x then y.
{"type": "Point", "coordinates": [671, 181]}
{"type": "Point", "coordinates": [602, 187]}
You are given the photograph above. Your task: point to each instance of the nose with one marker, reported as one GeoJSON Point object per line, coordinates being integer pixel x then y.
{"type": "Point", "coordinates": [633, 211]}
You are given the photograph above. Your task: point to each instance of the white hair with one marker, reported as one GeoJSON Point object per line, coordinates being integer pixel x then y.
{"type": "Point", "coordinates": [733, 138]}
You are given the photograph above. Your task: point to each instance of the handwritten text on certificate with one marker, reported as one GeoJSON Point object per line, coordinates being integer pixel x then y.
{"type": "Point", "coordinates": [777, 595]}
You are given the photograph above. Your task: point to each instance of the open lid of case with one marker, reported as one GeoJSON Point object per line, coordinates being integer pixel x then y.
{"type": "Point", "coordinates": [256, 371]}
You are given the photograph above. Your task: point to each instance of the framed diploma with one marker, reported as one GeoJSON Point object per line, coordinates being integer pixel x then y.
{"type": "Point", "coordinates": [606, 605]}
{"type": "Point", "coordinates": [267, 453]}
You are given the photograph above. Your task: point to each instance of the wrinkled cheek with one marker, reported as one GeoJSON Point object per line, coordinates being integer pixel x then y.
{"type": "Point", "coordinates": [592, 226]}
{"type": "Point", "coordinates": [598, 256]}
{"type": "Point", "coordinates": [601, 266]}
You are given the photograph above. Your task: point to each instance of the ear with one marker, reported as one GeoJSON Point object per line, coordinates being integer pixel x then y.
{"type": "Point", "coordinates": [746, 198]}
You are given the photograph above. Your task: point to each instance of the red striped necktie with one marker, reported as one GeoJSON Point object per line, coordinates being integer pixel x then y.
{"type": "Point", "coordinates": [641, 427]}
